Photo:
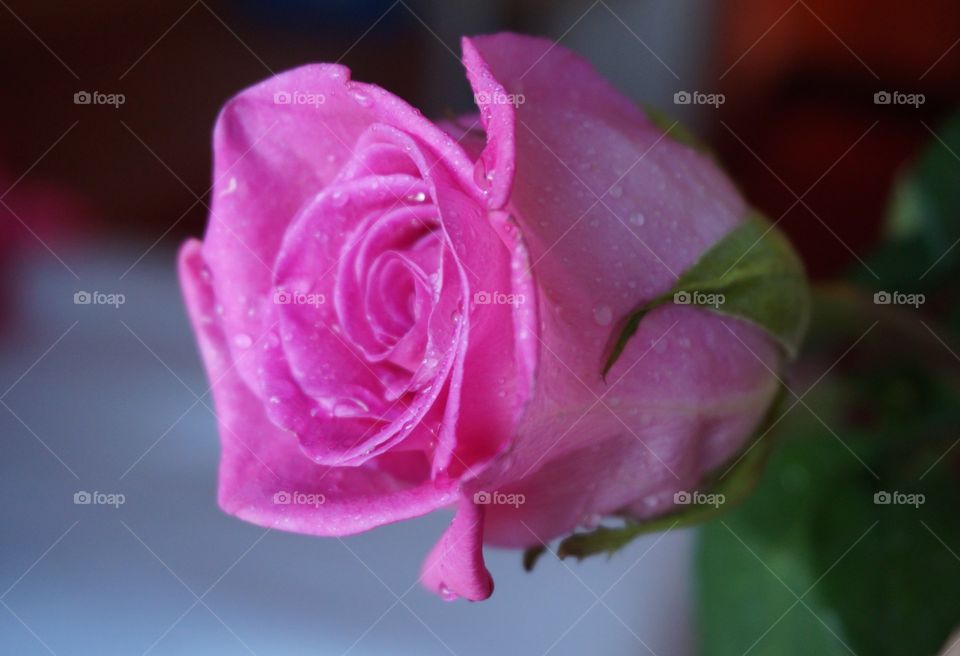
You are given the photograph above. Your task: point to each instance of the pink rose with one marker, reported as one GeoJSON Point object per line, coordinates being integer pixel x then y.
{"type": "Point", "coordinates": [398, 317]}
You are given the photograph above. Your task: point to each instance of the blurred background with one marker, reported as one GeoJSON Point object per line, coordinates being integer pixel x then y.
{"type": "Point", "coordinates": [95, 196]}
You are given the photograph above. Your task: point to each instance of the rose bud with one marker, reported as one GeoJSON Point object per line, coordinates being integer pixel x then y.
{"type": "Point", "coordinates": [397, 316]}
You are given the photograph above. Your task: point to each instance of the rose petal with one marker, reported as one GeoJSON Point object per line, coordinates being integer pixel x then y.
{"type": "Point", "coordinates": [479, 399]}
{"type": "Point", "coordinates": [260, 461]}
{"type": "Point", "coordinates": [694, 393]}
{"type": "Point", "coordinates": [276, 145]}
{"type": "Point", "coordinates": [696, 387]}
{"type": "Point", "coordinates": [315, 366]}
{"type": "Point", "coordinates": [481, 409]}
{"type": "Point", "coordinates": [495, 166]}
{"type": "Point", "coordinates": [454, 568]}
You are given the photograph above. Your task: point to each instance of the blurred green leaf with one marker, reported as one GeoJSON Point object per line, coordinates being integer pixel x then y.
{"type": "Point", "coordinates": [814, 562]}
{"type": "Point", "coordinates": [872, 578]}
{"type": "Point", "coordinates": [919, 250]}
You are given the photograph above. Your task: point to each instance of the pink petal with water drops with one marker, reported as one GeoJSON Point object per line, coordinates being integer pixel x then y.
{"type": "Point", "coordinates": [611, 211]}
{"type": "Point", "coordinates": [264, 476]}
{"type": "Point", "coordinates": [454, 568]}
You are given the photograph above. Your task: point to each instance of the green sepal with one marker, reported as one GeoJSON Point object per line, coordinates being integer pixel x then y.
{"type": "Point", "coordinates": [752, 273]}
{"type": "Point", "coordinates": [675, 129]}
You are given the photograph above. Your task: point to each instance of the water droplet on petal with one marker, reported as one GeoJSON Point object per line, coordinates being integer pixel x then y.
{"type": "Point", "coordinates": [446, 593]}
{"type": "Point", "coordinates": [362, 98]}
{"type": "Point", "coordinates": [242, 340]}
{"type": "Point", "coordinates": [339, 198]}
{"type": "Point", "coordinates": [603, 315]}
{"type": "Point", "coordinates": [591, 521]}
{"type": "Point", "coordinates": [481, 176]}
{"type": "Point", "coordinates": [637, 218]}
{"type": "Point", "coordinates": [349, 408]}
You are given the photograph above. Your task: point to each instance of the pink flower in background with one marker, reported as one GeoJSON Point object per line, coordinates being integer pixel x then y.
{"type": "Point", "coordinates": [36, 216]}
{"type": "Point", "coordinates": [398, 317]}
{"type": "Point", "coordinates": [38, 213]}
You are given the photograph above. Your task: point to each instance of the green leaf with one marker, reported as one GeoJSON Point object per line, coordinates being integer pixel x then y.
{"type": "Point", "coordinates": [769, 531]}
{"type": "Point", "coordinates": [873, 578]}
{"type": "Point", "coordinates": [734, 482]}
{"type": "Point", "coordinates": [923, 219]}
{"type": "Point", "coordinates": [675, 130]}
{"type": "Point", "coordinates": [752, 273]}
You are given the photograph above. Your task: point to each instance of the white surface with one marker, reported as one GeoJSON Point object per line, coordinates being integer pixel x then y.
{"type": "Point", "coordinates": [103, 403]}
